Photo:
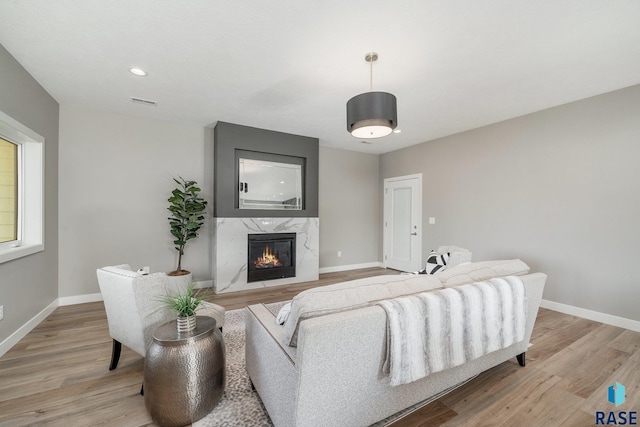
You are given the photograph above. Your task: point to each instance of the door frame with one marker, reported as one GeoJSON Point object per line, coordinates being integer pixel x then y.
{"type": "Point", "coordinates": [416, 199]}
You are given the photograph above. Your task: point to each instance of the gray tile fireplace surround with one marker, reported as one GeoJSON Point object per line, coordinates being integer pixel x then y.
{"type": "Point", "coordinates": [230, 250]}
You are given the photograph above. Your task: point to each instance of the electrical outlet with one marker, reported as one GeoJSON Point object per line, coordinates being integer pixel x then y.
{"type": "Point", "coordinates": [1, 312]}
{"type": "Point", "coordinates": [339, 254]}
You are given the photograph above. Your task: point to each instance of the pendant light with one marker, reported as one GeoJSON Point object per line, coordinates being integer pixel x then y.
{"type": "Point", "coordinates": [372, 114]}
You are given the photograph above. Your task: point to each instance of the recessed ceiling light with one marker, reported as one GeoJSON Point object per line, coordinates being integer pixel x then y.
{"type": "Point", "coordinates": [397, 131]}
{"type": "Point", "coordinates": [138, 72]}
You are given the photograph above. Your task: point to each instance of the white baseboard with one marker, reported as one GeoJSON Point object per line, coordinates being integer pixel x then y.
{"type": "Point", "coordinates": [79, 299]}
{"type": "Point", "coordinates": [204, 284]}
{"type": "Point", "coordinates": [13, 339]}
{"type": "Point", "coordinates": [349, 267]}
{"type": "Point", "coordinates": [597, 316]}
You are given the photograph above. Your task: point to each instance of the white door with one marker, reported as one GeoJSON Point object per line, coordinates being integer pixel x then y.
{"type": "Point", "coordinates": [403, 223]}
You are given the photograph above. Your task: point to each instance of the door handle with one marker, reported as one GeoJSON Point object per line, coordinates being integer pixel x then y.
{"type": "Point", "coordinates": [414, 234]}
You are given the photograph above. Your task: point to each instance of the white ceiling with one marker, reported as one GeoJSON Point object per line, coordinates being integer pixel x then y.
{"type": "Point", "coordinates": [291, 65]}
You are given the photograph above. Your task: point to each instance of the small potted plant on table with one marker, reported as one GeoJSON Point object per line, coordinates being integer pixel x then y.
{"type": "Point", "coordinates": [185, 304]}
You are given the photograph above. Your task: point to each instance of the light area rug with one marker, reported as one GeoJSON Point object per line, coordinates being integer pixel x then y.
{"type": "Point", "coordinates": [240, 405]}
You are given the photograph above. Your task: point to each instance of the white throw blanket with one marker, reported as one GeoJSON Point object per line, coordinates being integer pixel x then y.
{"type": "Point", "coordinates": [437, 330]}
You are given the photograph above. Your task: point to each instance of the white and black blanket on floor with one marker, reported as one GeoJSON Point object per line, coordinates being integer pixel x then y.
{"type": "Point", "coordinates": [437, 330]}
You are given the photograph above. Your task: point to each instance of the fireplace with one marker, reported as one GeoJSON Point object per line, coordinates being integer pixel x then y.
{"type": "Point", "coordinates": [271, 256]}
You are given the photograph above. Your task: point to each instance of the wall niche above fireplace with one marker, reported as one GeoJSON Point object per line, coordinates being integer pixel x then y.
{"type": "Point", "coordinates": [232, 142]}
{"type": "Point", "coordinates": [269, 182]}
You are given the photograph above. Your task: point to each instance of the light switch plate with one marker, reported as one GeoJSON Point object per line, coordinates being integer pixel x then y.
{"type": "Point", "coordinates": [432, 220]}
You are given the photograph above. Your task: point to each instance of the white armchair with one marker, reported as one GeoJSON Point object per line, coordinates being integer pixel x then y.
{"type": "Point", "coordinates": [134, 307]}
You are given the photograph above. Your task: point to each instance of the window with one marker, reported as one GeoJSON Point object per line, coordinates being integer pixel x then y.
{"type": "Point", "coordinates": [21, 190]}
{"type": "Point", "coordinates": [8, 191]}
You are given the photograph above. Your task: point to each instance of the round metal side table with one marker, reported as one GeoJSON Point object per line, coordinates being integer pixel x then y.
{"type": "Point", "coordinates": [184, 374]}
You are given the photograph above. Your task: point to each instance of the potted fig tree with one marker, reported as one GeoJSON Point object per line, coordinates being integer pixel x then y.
{"type": "Point", "coordinates": [187, 216]}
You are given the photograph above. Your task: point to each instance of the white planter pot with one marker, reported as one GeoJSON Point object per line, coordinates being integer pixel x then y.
{"type": "Point", "coordinates": [179, 283]}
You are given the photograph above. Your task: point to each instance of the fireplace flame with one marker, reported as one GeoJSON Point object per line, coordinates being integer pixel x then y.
{"type": "Point", "coordinates": [267, 260]}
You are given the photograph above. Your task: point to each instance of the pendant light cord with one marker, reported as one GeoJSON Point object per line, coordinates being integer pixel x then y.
{"type": "Point", "coordinates": [370, 76]}
{"type": "Point", "coordinates": [371, 58]}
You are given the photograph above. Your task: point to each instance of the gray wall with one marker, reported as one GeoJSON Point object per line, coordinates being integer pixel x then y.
{"type": "Point", "coordinates": [115, 177]}
{"type": "Point", "coordinates": [350, 198]}
{"type": "Point", "coordinates": [29, 284]}
{"type": "Point", "coordinates": [559, 189]}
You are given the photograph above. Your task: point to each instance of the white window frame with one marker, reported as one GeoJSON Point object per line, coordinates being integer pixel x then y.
{"type": "Point", "coordinates": [19, 195]}
{"type": "Point", "coordinates": [30, 190]}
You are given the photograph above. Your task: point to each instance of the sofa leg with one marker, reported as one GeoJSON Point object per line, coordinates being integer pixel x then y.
{"type": "Point", "coordinates": [115, 354]}
{"type": "Point", "coordinates": [520, 358]}
{"type": "Point", "coordinates": [142, 390]}
{"type": "Point", "coordinates": [253, 387]}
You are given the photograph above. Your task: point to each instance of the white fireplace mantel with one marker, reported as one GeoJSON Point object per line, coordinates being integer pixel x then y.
{"type": "Point", "coordinates": [230, 249]}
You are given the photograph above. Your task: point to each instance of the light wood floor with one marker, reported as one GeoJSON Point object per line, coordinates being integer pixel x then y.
{"type": "Point", "coordinates": [58, 374]}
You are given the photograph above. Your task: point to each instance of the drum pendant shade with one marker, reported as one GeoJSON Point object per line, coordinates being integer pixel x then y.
{"type": "Point", "coordinates": [372, 115]}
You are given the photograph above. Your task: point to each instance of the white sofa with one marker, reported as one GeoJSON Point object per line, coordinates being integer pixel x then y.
{"type": "Point", "coordinates": [334, 375]}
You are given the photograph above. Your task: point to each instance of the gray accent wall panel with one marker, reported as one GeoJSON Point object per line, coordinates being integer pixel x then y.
{"type": "Point", "coordinates": [228, 137]}
{"type": "Point", "coordinates": [559, 189]}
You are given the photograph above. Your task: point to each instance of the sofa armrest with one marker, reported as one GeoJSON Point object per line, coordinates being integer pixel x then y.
{"type": "Point", "coordinates": [535, 286]}
{"type": "Point", "coordinates": [270, 366]}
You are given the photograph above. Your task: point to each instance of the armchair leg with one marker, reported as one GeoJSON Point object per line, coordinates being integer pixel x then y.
{"type": "Point", "coordinates": [142, 390]}
{"type": "Point", "coordinates": [520, 358]}
{"type": "Point", "coordinates": [115, 354]}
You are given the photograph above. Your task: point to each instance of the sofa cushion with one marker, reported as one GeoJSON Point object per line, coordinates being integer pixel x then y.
{"type": "Point", "coordinates": [477, 271]}
{"type": "Point", "coordinates": [349, 295]}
